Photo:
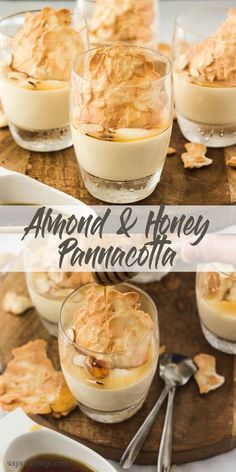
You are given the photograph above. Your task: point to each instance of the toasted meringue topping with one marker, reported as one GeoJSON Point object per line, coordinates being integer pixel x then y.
{"type": "Point", "coordinates": [214, 59]}
{"type": "Point", "coordinates": [55, 283]}
{"type": "Point", "coordinates": [45, 46]}
{"type": "Point", "coordinates": [114, 325]}
{"type": "Point", "coordinates": [119, 20]}
{"type": "Point", "coordinates": [219, 287]}
{"type": "Point", "coordinates": [121, 88]}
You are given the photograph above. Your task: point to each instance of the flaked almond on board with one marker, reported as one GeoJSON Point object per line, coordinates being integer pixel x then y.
{"type": "Point", "coordinates": [16, 303]}
{"type": "Point", "coordinates": [195, 156]}
{"type": "Point", "coordinates": [206, 377]}
{"type": "Point", "coordinates": [171, 151]}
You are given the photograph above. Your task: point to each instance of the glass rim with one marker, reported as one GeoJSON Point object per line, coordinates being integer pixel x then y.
{"type": "Point", "coordinates": [36, 10]}
{"type": "Point", "coordinates": [203, 9]}
{"type": "Point", "coordinates": [150, 50]}
{"type": "Point", "coordinates": [215, 267]}
{"type": "Point", "coordinates": [109, 354]}
{"type": "Point", "coordinates": [223, 272]}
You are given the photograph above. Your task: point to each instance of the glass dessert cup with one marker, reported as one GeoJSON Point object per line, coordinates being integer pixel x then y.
{"type": "Point", "coordinates": [109, 386]}
{"type": "Point", "coordinates": [126, 21]}
{"type": "Point", "coordinates": [205, 75]}
{"type": "Point", "coordinates": [35, 74]}
{"type": "Point", "coordinates": [216, 302]}
{"type": "Point", "coordinates": [121, 120]}
{"type": "Point", "coordinates": [48, 291]}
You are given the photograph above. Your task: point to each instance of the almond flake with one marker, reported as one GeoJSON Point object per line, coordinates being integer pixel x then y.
{"type": "Point", "coordinates": [171, 151]}
{"type": "Point", "coordinates": [206, 377]}
{"type": "Point", "coordinates": [196, 149]}
{"type": "Point", "coordinates": [195, 162]}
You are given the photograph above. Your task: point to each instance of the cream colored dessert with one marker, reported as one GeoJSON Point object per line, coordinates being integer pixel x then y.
{"type": "Point", "coordinates": [130, 21]}
{"type": "Point", "coordinates": [216, 301]}
{"type": "Point", "coordinates": [205, 77]}
{"type": "Point", "coordinates": [48, 290]}
{"type": "Point", "coordinates": [121, 122]}
{"type": "Point", "coordinates": [110, 355]}
{"type": "Point", "coordinates": [34, 84]}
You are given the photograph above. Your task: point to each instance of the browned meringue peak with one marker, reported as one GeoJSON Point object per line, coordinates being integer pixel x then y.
{"type": "Point", "coordinates": [122, 20]}
{"type": "Point", "coordinates": [121, 90]}
{"type": "Point", "coordinates": [45, 46]}
{"type": "Point", "coordinates": [54, 282]}
{"type": "Point", "coordinates": [214, 59]}
{"type": "Point", "coordinates": [114, 325]}
{"type": "Point", "coordinates": [219, 286]}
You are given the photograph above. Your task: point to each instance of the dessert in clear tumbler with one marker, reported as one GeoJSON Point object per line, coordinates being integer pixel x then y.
{"type": "Point", "coordinates": [128, 21]}
{"type": "Point", "coordinates": [108, 344]}
{"type": "Point", "coordinates": [205, 76]}
{"type": "Point", "coordinates": [216, 301]}
{"type": "Point", "coordinates": [37, 50]}
{"type": "Point", "coordinates": [48, 290]}
{"type": "Point", "coordinates": [121, 119]}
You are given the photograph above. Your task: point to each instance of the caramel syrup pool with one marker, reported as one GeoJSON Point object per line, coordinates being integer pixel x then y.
{"type": "Point", "coordinates": [54, 463]}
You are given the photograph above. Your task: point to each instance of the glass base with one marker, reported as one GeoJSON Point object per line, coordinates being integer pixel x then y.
{"type": "Point", "coordinates": [212, 136]}
{"type": "Point", "coordinates": [128, 191]}
{"type": "Point", "coordinates": [111, 416]}
{"type": "Point", "coordinates": [218, 343]}
{"type": "Point", "coordinates": [42, 141]}
{"type": "Point", "coordinates": [52, 328]}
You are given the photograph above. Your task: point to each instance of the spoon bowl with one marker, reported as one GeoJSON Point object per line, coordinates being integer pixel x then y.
{"type": "Point", "coordinates": [176, 369]}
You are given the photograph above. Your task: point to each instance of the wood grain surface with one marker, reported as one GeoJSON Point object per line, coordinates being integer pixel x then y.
{"type": "Point", "coordinates": [213, 185]}
{"type": "Point", "coordinates": [203, 425]}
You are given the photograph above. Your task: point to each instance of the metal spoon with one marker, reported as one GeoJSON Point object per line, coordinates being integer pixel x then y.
{"type": "Point", "coordinates": [175, 370]}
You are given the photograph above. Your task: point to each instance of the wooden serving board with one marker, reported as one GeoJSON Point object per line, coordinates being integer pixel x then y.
{"type": "Point", "coordinates": [203, 425]}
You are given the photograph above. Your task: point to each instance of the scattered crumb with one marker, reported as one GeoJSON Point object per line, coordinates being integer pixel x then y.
{"type": "Point", "coordinates": [196, 149]}
{"type": "Point", "coordinates": [171, 151]}
{"type": "Point", "coordinates": [232, 162]}
{"type": "Point", "coordinates": [174, 114]}
{"type": "Point", "coordinates": [15, 303]}
{"type": "Point", "coordinates": [195, 157]}
{"type": "Point", "coordinates": [206, 377]}
{"type": "Point", "coordinates": [195, 162]}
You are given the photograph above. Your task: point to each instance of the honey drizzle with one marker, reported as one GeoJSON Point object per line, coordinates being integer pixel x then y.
{"type": "Point", "coordinates": [106, 316]}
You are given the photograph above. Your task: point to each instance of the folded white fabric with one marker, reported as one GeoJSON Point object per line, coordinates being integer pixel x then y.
{"type": "Point", "coordinates": [225, 462]}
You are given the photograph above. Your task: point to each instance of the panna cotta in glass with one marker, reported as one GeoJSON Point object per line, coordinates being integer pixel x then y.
{"type": "Point", "coordinates": [205, 75]}
{"type": "Point", "coordinates": [128, 21]}
{"type": "Point", "coordinates": [216, 302]}
{"type": "Point", "coordinates": [109, 344]}
{"type": "Point", "coordinates": [121, 120]}
{"type": "Point", "coordinates": [48, 290]}
{"type": "Point", "coordinates": [37, 51]}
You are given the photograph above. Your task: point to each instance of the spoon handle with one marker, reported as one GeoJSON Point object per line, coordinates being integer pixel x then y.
{"type": "Point", "coordinates": [136, 443]}
{"type": "Point", "coordinates": [165, 449]}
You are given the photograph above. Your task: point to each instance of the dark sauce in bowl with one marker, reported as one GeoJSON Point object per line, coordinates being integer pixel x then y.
{"type": "Point", "coordinates": [54, 463]}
